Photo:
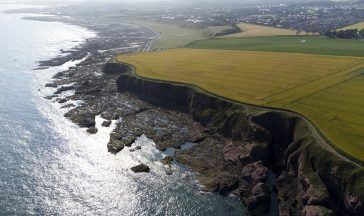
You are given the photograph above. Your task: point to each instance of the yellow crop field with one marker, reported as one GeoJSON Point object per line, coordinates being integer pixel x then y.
{"type": "Point", "coordinates": [338, 112]}
{"type": "Point", "coordinates": [359, 26]}
{"type": "Point", "coordinates": [251, 30]}
{"type": "Point", "coordinates": [327, 90]}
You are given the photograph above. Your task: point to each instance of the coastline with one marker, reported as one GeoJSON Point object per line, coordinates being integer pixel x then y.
{"type": "Point", "coordinates": [101, 96]}
{"type": "Point", "coordinates": [290, 143]}
{"type": "Point", "coordinates": [318, 135]}
{"type": "Point", "coordinates": [134, 118]}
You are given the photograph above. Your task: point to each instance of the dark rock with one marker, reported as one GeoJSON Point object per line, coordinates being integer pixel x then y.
{"type": "Point", "coordinates": [258, 202]}
{"type": "Point", "coordinates": [115, 146]}
{"type": "Point", "coordinates": [115, 68]}
{"type": "Point", "coordinates": [354, 203]}
{"type": "Point", "coordinates": [41, 68]}
{"type": "Point", "coordinates": [63, 89]}
{"type": "Point", "coordinates": [50, 97]}
{"type": "Point", "coordinates": [62, 100]}
{"type": "Point", "coordinates": [51, 85]}
{"type": "Point", "coordinates": [67, 106]}
{"type": "Point", "coordinates": [128, 141]}
{"type": "Point", "coordinates": [90, 91]}
{"type": "Point", "coordinates": [312, 210]}
{"type": "Point", "coordinates": [106, 123]}
{"type": "Point", "coordinates": [227, 183]}
{"type": "Point", "coordinates": [256, 172]}
{"type": "Point", "coordinates": [84, 120]}
{"type": "Point", "coordinates": [58, 75]}
{"type": "Point", "coordinates": [140, 168]}
{"type": "Point", "coordinates": [135, 149]}
{"type": "Point", "coordinates": [167, 160]}
{"type": "Point", "coordinates": [92, 130]}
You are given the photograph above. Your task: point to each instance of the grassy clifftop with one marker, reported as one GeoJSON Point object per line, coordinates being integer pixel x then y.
{"type": "Point", "coordinates": [309, 177]}
{"type": "Point", "coordinates": [328, 90]}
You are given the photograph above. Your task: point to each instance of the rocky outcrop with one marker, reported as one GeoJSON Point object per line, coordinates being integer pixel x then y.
{"type": "Point", "coordinates": [106, 123]}
{"type": "Point", "coordinates": [140, 168]}
{"type": "Point", "coordinates": [92, 130]}
{"type": "Point", "coordinates": [309, 179]}
{"type": "Point", "coordinates": [170, 130]}
{"type": "Point", "coordinates": [167, 160]}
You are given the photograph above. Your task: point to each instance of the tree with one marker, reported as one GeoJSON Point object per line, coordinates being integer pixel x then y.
{"type": "Point", "coordinates": [330, 34]}
{"type": "Point", "coordinates": [347, 34]}
{"type": "Point", "coordinates": [361, 33]}
{"type": "Point", "coordinates": [351, 34]}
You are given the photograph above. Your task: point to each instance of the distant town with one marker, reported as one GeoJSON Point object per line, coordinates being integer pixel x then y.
{"type": "Point", "coordinates": [318, 17]}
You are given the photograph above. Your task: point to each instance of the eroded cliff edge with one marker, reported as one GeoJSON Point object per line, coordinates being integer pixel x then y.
{"type": "Point", "coordinates": [262, 147]}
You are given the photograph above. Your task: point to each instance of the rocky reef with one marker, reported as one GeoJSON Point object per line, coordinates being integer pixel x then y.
{"type": "Point", "coordinates": [272, 160]}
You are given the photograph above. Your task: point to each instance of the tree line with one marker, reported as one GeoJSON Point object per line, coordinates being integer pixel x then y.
{"type": "Point", "coordinates": [235, 29]}
{"type": "Point", "coordinates": [345, 34]}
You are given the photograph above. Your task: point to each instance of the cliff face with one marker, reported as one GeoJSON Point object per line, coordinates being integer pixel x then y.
{"type": "Point", "coordinates": [308, 179]}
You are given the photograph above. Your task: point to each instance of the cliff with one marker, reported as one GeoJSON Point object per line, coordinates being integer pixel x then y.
{"type": "Point", "coordinates": [272, 154]}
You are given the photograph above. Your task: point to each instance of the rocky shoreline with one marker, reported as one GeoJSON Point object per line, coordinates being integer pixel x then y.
{"type": "Point", "coordinates": [96, 93]}
{"type": "Point", "coordinates": [96, 87]}
{"type": "Point", "coordinates": [270, 160]}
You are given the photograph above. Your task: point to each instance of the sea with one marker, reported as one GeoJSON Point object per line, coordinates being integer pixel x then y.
{"type": "Point", "coordinates": [50, 166]}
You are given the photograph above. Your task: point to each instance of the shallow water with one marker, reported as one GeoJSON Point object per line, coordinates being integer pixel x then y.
{"type": "Point", "coordinates": [50, 166]}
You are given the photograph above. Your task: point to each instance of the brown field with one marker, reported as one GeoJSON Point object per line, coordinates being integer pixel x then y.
{"type": "Point", "coordinates": [251, 30]}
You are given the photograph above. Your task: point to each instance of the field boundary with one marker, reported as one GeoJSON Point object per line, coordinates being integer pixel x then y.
{"type": "Point", "coordinates": [323, 140]}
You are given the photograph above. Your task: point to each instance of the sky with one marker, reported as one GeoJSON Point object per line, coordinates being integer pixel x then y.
{"type": "Point", "coordinates": [205, 2]}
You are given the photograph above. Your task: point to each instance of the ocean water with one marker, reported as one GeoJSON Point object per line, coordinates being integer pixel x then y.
{"type": "Point", "coordinates": [49, 166]}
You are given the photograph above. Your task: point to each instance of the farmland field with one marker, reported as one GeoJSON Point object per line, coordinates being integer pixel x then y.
{"type": "Point", "coordinates": [172, 35]}
{"type": "Point", "coordinates": [292, 44]}
{"type": "Point", "coordinates": [251, 30]}
{"type": "Point", "coordinates": [328, 90]}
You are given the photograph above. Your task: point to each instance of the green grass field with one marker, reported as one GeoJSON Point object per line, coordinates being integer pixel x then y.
{"type": "Point", "coordinates": [326, 89]}
{"type": "Point", "coordinates": [292, 44]}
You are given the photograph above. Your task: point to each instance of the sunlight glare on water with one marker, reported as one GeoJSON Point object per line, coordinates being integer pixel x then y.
{"type": "Point", "coordinates": [50, 166]}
